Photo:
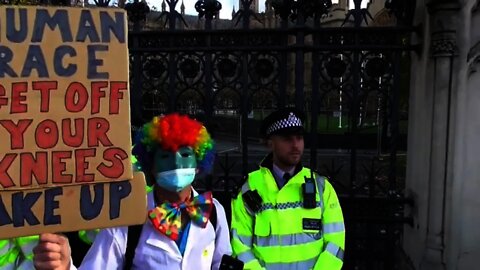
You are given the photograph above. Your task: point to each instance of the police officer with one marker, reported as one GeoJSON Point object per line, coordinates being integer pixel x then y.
{"type": "Point", "coordinates": [287, 217]}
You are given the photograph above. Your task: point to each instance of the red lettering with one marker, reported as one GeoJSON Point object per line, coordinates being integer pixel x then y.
{"type": "Point", "coordinates": [76, 97]}
{"type": "Point", "coordinates": [81, 165]}
{"type": "Point", "coordinates": [33, 166]}
{"type": "Point", "coordinates": [3, 101]}
{"type": "Point", "coordinates": [59, 167]}
{"type": "Point", "coordinates": [97, 132]}
{"type": "Point", "coordinates": [115, 156]}
{"type": "Point", "coordinates": [73, 140]}
{"type": "Point", "coordinates": [45, 88]}
{"type": "Point", "coordinates": [17, 97]}
{"type": "Point", "coordinates": [16, 131]}
{"type": "Point", "coordinates": [97, 93]}
{"type": "Point", "coordinates": [116, 95]}
{"type": "Point", "coordinates": [5, 179]}
{"type": "Point", "coordinates": [46, 134]}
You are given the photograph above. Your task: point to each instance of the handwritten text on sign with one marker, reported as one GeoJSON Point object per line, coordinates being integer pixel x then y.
{"type": "Point", "coordinates": [64, 101]}
{"type": "Point", "coordinates": [65, 122]}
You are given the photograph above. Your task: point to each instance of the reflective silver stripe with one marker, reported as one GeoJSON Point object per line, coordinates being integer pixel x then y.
{"type": "Point", "coordinates": [320, 184]}
{"type": "Point", "coordinates": [245, 187]}
{"type": "Point", "coordinates": [10, 266]}
{"type": "Point", "coordinates": [320, 188]}
{"type": "Point", "coordinates": [284, 206]}
{"type": "Point", "coordinates": [246, 240]}
{"type": "Point", "coordinates": [335, 250]}
{"type": "Point", "coordinates": [246, 256]}
{"type": "Point", "coordinates": [286, 240]}
{"type": "Point", "coordinates": [308, 264]}
{"type": "Point", "coordinates": [4, 246]}
{"type": "Point", "coordinates": [333, 227]}
{"type": "Point", "coordinates": [26, 265]}
{"type": "Point", "coordinates": [27, 248]}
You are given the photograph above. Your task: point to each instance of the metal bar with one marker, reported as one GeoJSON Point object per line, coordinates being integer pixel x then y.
{"type": "Point", "coordinates": [136, 90]}
{"type": "Point", "coordinates": [394, 123]}
{"type": "Point", "coordinates": [291, 48]}
{"type": "Point", "coordinates": [299, 60]}
{"type": "Point", "coordinates": [245, 96]}
{"type": "Point", "coordinates": [315, 102]}
{"type": "Point", "coordinates": [172, 81]}
{"type": "Point", "coordinates": [283, 73]}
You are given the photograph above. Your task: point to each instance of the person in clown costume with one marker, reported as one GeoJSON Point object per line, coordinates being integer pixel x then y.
{"type": "Point", "coordinates": [180, 231]}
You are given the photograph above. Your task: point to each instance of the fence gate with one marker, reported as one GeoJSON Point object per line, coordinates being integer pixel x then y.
{"type": "Point", "coordinates": [352, 81]}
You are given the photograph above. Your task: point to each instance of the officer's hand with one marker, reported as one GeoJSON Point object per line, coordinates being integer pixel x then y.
{"type": "Point", "coordinates": [52, 252]}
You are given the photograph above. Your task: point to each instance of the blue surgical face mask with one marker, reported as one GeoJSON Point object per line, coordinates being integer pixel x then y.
{"type": "Point", "coordinates": [175, 180]}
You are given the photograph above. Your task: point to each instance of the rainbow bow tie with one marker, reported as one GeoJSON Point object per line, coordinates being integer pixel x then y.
{"type": "Point", "coordinates": [167, 218]}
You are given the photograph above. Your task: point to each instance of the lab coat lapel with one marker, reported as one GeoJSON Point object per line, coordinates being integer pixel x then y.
{"type": "Point", "coordinates": [198, 238]}
{"type": "Point", "coordinates": [161, 241]}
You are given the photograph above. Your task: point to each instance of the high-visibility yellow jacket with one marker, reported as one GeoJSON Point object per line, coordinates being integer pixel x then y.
{"type": "Point", "coordinates": [17, 253]}
{"type": "Point", "coordinates": [283, 234]}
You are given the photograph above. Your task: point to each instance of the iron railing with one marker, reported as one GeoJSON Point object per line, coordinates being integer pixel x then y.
{"type": "Point", "coordinates": [352, 81]}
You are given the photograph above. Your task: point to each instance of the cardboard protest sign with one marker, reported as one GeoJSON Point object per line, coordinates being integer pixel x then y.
{"type": "Point", "coordinates": [65, 121]}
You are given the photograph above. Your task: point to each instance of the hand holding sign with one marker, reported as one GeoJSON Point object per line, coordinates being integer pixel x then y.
{"type": "Point", "coordinates": [52, 253]}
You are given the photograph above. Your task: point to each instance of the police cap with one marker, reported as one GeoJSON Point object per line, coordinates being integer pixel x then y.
{"type": "Point", "coordinates": [287, 121]}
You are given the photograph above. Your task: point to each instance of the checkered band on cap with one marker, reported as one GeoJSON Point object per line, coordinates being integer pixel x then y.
{"type": "Point", "coordinates": [291, 121]}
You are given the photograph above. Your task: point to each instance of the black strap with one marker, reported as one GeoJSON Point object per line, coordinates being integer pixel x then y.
{"type": "Point", "coordinates": [133, 237]}
{"type": "Point", "coordinates": [213, 217]}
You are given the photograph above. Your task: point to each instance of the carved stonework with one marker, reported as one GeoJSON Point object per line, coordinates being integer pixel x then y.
{"type": "Point", "coordinates": [384, 18]}
{"type": "Point", "coordinates": [444, 43]}
{"type": "Point", "coordinates": [474, 58]}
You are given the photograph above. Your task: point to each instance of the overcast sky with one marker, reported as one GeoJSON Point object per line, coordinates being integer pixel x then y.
{"type": "Point", "coordinates": [227, 6]}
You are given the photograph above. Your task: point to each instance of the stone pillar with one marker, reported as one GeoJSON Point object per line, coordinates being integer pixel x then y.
{"type": "Point", "coordinates": [431, 134]}
{"type": "Point", "coordinates": [443, 170]}
{"type": "Point", "coordinates": [465, 236]}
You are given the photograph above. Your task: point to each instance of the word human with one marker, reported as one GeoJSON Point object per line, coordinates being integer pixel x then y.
{"type": "Point", "coordinates": [99, 29]}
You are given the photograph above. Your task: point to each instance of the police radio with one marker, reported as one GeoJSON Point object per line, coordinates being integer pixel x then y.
{"type": "Point", "coordinates": [309, 192]}
{"type": "Point", "coordinates": [253, 200]}
{"type": "Point", "coordinates": [230, 263]}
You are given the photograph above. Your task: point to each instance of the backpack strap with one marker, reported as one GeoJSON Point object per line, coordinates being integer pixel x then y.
{"type": "Point", "coordinates": [133, 237]}
{"type": "Point", "coordinates": [213, 217]}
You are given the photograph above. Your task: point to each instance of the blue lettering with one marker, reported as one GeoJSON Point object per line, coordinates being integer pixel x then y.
{"type": "Point", "coordinates": [50, 205]}
{"type": "Point", "coordinates": [93, 62]}
{"type": "Point", "coordinates": [6, 55]}
{"type": "Point", "coordinates": [4, 216]}
{"type": "Point", "coordinates": [59, 55]}
{"type": "Point", "coordinates": [118, 191]}
{"type": "Point", "coordinates": [35, 60]}
{"type": "Point", "coordinates": [86, 28]}
{"type": "Point", "coordinates": [13, 34]}
{"type": "Point", "coordinates": [22, 208]}
{"type": "Point", "coordinates": [90, 209]}
{"type": "Point", "coordinates": [117, 26]}
{"type": "Point", "coordinates": [59, 18]}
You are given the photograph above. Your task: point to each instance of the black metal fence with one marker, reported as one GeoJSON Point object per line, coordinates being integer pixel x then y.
{"type": "Point", "coordinates": [351, 80]}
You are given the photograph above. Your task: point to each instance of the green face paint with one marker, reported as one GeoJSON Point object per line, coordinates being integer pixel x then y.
{"type": "Point", "coordinates": [167, 160]}
{"type": "Point", "coordinates": [174, 171]}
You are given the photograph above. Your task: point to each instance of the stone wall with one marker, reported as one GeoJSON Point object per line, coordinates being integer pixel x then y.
{"type": "Point", "coordinates": [443, 171]}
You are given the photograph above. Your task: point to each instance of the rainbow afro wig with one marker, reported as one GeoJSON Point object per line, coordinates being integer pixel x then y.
{"type": "Point", "coordinates": [171, 132]}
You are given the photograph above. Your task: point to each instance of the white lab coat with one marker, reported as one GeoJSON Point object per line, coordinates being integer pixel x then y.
{"type": "Point", "coordinates": [204, 249]}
